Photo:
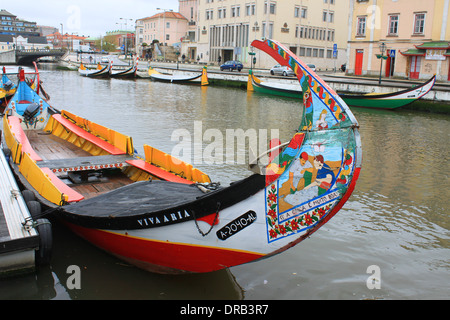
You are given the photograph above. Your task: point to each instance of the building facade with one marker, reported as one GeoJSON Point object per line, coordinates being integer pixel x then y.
{"type": "Point", "coordinates": [124, 40]}
{"type": "Point", "coordinates": [316, 30]}
{"type": "Point", "coordinates": [11, 25]}
{"type": "Point", "coordinates": [167, 27]}
{"type": "Point", "coordinates": [68, 41]}
{"type": "Point", "coordinates": [400, 38]}
{"type": "Point", "coordinates": [189, 9]}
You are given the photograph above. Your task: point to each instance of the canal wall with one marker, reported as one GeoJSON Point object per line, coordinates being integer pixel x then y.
{"type": "Point", "coordinates": [8, 57]}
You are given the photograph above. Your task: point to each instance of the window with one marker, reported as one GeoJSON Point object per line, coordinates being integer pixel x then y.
{"type": "Point", "coordinates": [300, 12]}
{"type": "Point", "coordinates": [419, 23]}
{"type": "Point", "coordinates": [328, 16]}
{"type": "Point", "coordinates": [329, 53]}
{"type": "Point", "coordinates": [168, 25]}
{"type": "Point", "coordinates": [302, 51]}
{"type": "Point", "coordinates": [315, 53]}
{"type": "Point", "coordinates": [250, 9]}
{"type": "Point", "coordinates": [393, 25]}
{"type": "Point", "coordinates": [209, 14]}
{"type": "Point", "coordinates": [272, 9]}
{"type": "Point", "coordinates": [270, 30]}
{"type": "Point", "coordinates": [361, 27]}
{"type": "Point", "coordinates": [235, 11]}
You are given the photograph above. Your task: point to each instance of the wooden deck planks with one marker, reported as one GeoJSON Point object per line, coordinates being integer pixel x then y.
{"type": "Point", "coordinates": [50, 147]}
{"type": "Point", "coordinates": [90, 190]}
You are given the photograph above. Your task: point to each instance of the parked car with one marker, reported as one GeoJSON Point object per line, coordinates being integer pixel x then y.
{"type": "Point", "coordinates": [232, 65]}
{"type": "Point", "coordinates": [281, 70]}
{"type": "Point", "coordinates": [311, 66]}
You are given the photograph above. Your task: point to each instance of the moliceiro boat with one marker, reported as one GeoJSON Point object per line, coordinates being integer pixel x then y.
{"type": "Point", "coordinates": [99, 72]}
{"type": "Point", "coordinates": [7, 87]}
{"type": "Point", "coordinates": [201, 78]}
{"type": "Point", "coordinates": [128, 73]}
{"type": "Point", "coordinates": [273, 88]}
{"type": "Point", "coordinates": [162, 215]}
{"type": "Point", "coordinates": [391, 100]}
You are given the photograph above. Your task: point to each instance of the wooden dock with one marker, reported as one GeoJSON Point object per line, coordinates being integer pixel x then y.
{"type": "Point", "coordinates": [20, 241]}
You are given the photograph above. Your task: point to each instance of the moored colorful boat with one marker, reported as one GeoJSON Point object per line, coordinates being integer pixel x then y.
{"type": "Point", "coordinates": [162, 215]}
{"type": "Point", "coordinates": [201, 78]}
{"type": "Point", "coordinates": [391, 100]}
{"type": "Point", "coordinates": [100, 72]}
{"type": "Point", "coordinates": [128, 73]}
{"type": "Point", "coordinates": [7, 87]}
{"type": "Point", "coordinates": [273, 88]}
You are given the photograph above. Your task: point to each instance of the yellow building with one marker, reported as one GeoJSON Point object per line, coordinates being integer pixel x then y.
{"type": "Point", "coordinates": [312, 29]}
{"type": "Point", "coordinates": [412, 35]}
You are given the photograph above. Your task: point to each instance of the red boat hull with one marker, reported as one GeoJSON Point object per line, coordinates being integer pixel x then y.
{"type": "Point", "coordinates": [164, 257]}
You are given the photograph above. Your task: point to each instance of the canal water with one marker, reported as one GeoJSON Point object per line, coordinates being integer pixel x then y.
{"type": "Point", "coordinates": [391, 240]}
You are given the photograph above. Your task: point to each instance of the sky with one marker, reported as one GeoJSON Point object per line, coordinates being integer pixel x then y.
{"type": "Point", "coordinates": [86, 17]}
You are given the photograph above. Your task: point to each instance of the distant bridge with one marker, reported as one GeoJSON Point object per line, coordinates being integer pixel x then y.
{"type": "Point", "coordinates": [24, 57]}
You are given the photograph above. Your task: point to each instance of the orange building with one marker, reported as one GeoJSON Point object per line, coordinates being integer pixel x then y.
{"type": "Point", "coordinates": [402, 38]}
{"type": "Point", "coordinates": [64, 41]}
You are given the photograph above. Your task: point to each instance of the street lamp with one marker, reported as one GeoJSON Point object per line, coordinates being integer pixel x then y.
{"type": "Point", "coordinates": [382, 50]}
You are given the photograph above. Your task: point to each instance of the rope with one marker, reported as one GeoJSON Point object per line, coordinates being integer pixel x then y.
{"type": "Point", "coordinates": [212, 225]}
{"type": "Point", "coordinates": [208, 187]}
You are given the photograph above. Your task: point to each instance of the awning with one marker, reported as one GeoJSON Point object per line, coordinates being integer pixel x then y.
{"type": "Point", "coordinates": [413, 52]}
{"type": "Point", "coordinates": [436, 45]}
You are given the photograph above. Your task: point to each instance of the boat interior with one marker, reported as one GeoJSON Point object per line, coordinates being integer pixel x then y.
{"type": "Point", "coordinates": [75, 159]}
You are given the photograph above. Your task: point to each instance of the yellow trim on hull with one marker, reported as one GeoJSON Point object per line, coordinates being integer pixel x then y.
{"type": "Point", "coordinates": [183, 244]}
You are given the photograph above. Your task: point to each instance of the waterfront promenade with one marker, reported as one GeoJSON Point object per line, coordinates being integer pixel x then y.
{"type": "Point", "coordinates": [338, 80]}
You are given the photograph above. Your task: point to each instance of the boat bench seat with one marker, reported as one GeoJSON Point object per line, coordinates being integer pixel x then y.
{"type": "Point", "coordinates": [158, 172]}
{"type": "Point", "coordinates": [105, 145]}
{"type": "Point", "coordinates": [62, 187]}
